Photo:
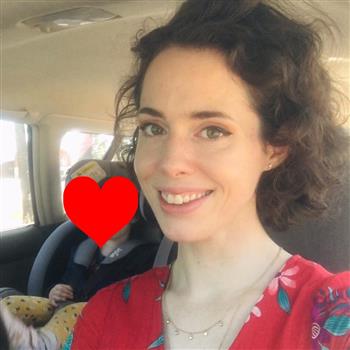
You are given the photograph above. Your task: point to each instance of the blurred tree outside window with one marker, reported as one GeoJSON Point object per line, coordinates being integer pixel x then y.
{"type": "Point", "coordinates": [76, 146]}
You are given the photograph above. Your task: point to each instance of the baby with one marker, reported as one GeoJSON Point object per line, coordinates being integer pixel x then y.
{"type": "Point", "coordinates": [44, 323]}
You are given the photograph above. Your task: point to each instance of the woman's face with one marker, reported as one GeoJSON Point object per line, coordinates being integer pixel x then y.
{"type": "Point", "coordinates": [199, 137]}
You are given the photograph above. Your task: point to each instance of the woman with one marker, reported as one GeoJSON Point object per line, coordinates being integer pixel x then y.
{"type": "Point", "coordinates": [237, 131]}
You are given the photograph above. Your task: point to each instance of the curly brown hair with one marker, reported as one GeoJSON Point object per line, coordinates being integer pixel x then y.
{"type": "Point", "coordinates": [279, 59]}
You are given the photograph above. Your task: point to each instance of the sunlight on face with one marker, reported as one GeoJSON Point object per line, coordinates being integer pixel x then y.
{"type": "Point", "coordinates": [198, 135]}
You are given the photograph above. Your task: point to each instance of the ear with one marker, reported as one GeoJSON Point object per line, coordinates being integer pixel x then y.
{"type": "Point", "coordinates": [276, 155]}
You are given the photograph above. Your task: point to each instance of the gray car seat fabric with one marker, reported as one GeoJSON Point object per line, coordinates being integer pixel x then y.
{"type": "Point", "coordinates": [98, 170]}
{"type": "Point", "coordinates": [324, 240]}
{"type": "Point", "coordinates": [41, 264]}
{"type": "Point", "coordinates": [85, 252]}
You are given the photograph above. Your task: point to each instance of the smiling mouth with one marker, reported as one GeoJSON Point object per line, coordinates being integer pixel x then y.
{"type": "Point", "coordinates": [180, 199]}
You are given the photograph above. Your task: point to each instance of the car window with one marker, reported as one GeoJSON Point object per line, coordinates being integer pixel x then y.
{"type": "Point", "coordinates": [77, 145]}
{"type": "Point", "coordinates": [123, 147]}
{"type": "Point", "coordinates": [16, 208]}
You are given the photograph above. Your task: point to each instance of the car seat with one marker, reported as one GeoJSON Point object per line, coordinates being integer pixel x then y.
{"type": "Point", "coordinates": [53, 256]}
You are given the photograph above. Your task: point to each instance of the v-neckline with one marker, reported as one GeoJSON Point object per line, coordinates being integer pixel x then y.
{"type": "Point", "coordinates": [165, 279]}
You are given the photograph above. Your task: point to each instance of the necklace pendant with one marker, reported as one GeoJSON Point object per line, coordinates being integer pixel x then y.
{"type": "Point", "coordinates": [190, 337]}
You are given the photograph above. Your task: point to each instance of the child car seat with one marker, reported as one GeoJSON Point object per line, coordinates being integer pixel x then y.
{"type": "Point", "coordinates": [53, 256]}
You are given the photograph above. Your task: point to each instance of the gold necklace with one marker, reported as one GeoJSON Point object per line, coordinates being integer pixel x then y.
{"type": "Point", "coordinates": [220, 323]}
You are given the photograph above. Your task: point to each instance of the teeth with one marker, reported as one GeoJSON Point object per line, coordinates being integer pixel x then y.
{"type": "Point", "coordinates": [182, 198]}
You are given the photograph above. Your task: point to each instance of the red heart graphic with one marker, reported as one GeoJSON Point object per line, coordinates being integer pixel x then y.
{"type": "Point", "coordinates": [100, 212]}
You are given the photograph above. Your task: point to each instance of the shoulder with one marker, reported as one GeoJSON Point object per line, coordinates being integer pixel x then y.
{"type": "Point", "coordinates": [297, 279]}
{"type": "Point", "coordinates": [311, 270]}
{"type": "Point", "coordinates": [329, 296]}
{"type": "Point", "coordinates": [307, 275]}
{"type": "Point", "coordinates": [305, 278]}
{"type": "Point", "coordinates": [331, 312]}
{"type": "Point", "coordinates": [312, 302]}
{"type": "Point", "coordinates": [316, 278]}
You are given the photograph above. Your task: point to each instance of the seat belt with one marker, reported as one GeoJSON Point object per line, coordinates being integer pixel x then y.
{"type": "Point", "coordinates": [163, 253]}
{"type": "Point", "coordinates": [85, 252]}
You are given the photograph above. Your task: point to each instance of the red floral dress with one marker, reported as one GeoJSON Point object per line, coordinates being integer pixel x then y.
{"type": "Point", "coordinates": [303, 307]}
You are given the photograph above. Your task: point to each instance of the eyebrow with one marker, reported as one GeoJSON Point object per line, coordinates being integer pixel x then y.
{"type": "Point", "coordinates": [195, 115]}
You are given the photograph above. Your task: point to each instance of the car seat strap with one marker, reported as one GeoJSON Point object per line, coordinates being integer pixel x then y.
{"type": "Point", "coordinates": [123, 250]}
{"type": "Point", "coordinates": [87, 250]}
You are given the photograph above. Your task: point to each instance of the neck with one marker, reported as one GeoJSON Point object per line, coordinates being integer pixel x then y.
{"type": "Point", "coordinates": [231, 261]}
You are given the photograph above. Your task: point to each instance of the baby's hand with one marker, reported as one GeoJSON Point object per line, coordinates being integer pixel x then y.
{"type": "Point", "coordinates": [60, 292]}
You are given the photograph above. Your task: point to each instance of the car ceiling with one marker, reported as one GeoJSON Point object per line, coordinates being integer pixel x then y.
{"type": "Point", "coordinates": [77, 72]}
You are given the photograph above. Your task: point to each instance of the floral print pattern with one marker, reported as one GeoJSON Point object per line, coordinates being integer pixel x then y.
{"type": "Point", "coordinates": [283, 280]}
{"type": "Point", "coordinates": [157, 343]}
{"type": "Point", "coordinates": [300, 287]}
{"type": "Point", "coordinates": [284, 277]}
{"type": "Point", "coordinates": [256, 309]}
{"type": "Point", "coordinates": [331, 317]}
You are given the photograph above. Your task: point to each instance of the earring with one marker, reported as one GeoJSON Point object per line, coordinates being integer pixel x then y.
{"type": "Point", "coordinates": [269, 167]}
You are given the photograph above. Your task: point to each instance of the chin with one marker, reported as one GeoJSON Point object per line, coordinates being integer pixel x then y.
{"type": "Point", "coordinates": [183, 234]}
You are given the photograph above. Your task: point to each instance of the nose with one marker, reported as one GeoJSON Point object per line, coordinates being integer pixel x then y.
{"type": "Point", "coordinates": [176, 158]}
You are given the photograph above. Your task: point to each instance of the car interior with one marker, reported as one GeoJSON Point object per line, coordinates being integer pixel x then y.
{"type": "Point", "coordinates": [62, 64]}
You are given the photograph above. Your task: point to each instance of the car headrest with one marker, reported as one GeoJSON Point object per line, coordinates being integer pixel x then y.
{"type": "Point", "coordinates": [66, 235]}
{"type": "Point", "coordinates": [98, 170]}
